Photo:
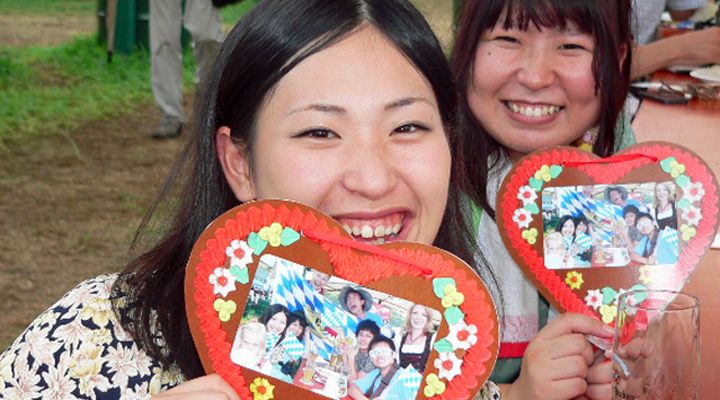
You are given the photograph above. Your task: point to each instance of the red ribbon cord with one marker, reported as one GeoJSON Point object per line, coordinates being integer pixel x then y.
{"type": "Point", "coordinates": [328, 237]}
{"type": "Point", "coordinates": [612, 159]}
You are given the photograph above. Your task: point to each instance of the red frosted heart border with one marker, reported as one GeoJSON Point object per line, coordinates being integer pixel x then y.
{"type": "Point", "coordinates": [349, 264]}
{"type": "Point", "coordinates": [602, 172]}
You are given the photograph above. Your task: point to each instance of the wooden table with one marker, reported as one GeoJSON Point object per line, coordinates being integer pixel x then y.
{"type": "Point", "coordinates": [697, 127]}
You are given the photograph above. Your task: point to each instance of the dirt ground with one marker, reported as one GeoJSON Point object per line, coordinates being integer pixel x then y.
{"type": "Point", "coordinates": [70, 203]}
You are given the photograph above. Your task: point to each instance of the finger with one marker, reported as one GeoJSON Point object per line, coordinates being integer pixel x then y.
{"type": "Point", "coordinates": [597, 392]}
{"type": "Point", "coordinates": [600, 373]}
{"type": "Point", "coordinates": [567, 345]}
{"type": "Point", "coordinates": [568, 368]}
{"type": "Point", "coordinates": [568, 388]}
{"type": "Point", "coordinates": [575, 323]}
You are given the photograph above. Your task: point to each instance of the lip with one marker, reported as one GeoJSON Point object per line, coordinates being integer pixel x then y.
{"type": "Point", "coordinates": [405, 216]}
{"type": "Point", "coordinates": [524, 119]}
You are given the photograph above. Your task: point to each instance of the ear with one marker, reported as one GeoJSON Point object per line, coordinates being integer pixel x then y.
{"type": "Point", "coordinates": [234, 161]}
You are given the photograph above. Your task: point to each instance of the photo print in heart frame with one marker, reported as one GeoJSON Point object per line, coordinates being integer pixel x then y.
{"type": "Point", "coordinates": [283, 303]}
{"type": "Point", "coordinates": [585, 229]}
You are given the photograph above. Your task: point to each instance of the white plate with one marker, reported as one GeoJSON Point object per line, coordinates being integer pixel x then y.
{"type": "Point", "coordinates": [711, 74]}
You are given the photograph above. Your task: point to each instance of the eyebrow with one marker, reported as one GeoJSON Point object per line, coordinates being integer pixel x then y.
{"type": "Point", "coordinates": [333, 109]}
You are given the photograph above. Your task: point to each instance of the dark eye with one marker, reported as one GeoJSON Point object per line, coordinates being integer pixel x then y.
{"type": "Point", "coordinates": [411, 128]}
{"type": "Point", "coordinates": [572, 46]}
{"type": "Point", "coordinates": [317, 133]}
{"type": "Point", "coordinates": [507, 39]}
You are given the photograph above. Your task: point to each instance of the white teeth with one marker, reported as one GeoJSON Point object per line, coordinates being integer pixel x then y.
{"type": "Point", "coordinates": [396, 228]}
{"type": "Point", "coordinates": [379, 231]}
{"type": "Point", "coordinates": [356, 231]}
{"type": "Point", "coordinates": [366, 232]}
{"type": "Point", "coordinates": [347, 229]}
{"type": "Point", "coordinates": [533, 112]}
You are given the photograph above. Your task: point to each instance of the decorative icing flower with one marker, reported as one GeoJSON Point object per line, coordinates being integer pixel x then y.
{"type": "Point", "coordinates": [530, 235]}
{"type": "Point", "coordinates": [522, 217]}
{"type": "Point", "coordinates": [688, 232]}
{"type": "Point", "coordinates": [676, 169]}
{"type": "Point", "coordinates": [543, 174]}
{"type": "Point", "coordinates": [694, 192]}
{"type": "Point", "coordinates": [594, 299]}
{"type": "Point", "coordinates": [223, 281]}
{"type": "Point", "coordinates": [462, 335]}
{"type": "Point", "coordinates": [527, 195]}
{"type": "Point", "coordinates": [608, 313]}
{"type": "Point", "coordinates": [225, 309]}
{"type": "Point", "coordinates": [586, 146]}
{"type": "Point", "coordinates": [272, 234]}
{"type": "Point", "coordinates": [574, 279]}
{"type": "Point", "coordinates": [448, 365]}
{"type": "Point", "coordinates": [692, 215]}
{"type": "Point", "coordinates": [646, 274]}
{"type": "Point", "coordinates": [262, 389]}
{"type": "Point", "coordinates": [434, 386]}
{"type": "Point", "coordinates": [452, 296]}
{"type": "Point", "coordinates": [240, 253]}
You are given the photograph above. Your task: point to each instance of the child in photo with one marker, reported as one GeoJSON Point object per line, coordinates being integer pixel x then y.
{"type": "Point", "coordinates": [554, 248]}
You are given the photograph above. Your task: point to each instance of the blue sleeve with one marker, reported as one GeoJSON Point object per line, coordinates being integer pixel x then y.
{"type": "Point", "coordinates": [364, 383]}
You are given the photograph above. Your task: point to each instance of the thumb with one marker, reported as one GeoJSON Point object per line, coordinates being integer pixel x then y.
{"type": "Point", "coordinates": [575, 323]}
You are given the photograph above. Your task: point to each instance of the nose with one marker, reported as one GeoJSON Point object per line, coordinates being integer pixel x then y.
{"type": "Point", "coordinates": [370, 170]}
{"type": "Point", "coordinates": [537, 70]}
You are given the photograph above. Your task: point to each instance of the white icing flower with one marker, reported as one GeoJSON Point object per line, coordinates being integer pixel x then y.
{"type": "Point", "coordinates": [223, 281]}
{"type": "Point", "coordinates": [694, 192]}
{"type": "Point", "coordinates": [240, 253]}
{"type": "Point", "coordinates": [448, 365]}
{"type": "Point", "coordinates": [527, 195]}
{"type": "Point", "coordinates": [692, 215]}
{"type": "Point", "coordinates": [594, 298]}
{"type": "Point", "coordinates": [462, 335]}
{"type": "Point", "coordinates": [522, 217]}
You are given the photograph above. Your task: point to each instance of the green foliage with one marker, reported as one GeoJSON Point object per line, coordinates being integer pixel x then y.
{"type": "Point", "coordinates": [47, 90]}
{"type": "Point", "coordinates": [231, 14]}
{"type": "Point", "coordinates": [48, 6]}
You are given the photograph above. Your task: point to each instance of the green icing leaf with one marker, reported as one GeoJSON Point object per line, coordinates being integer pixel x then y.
{"type": "Point", "coordinates": [684, 203]}
{"type": "Point", "coordinates": [640, 297]}
{"type": "Point", "coordinates": [240, 274]}
{"type": "Point", "coordinates": [666, 164]}
{"type": "Point", "coordinates": [289, 236]}
{"type": "Point", "coordinates": [555, 171]}
{"type": "Point", "coordinates": [257, 243]}
{"type": "Point", "coordinates": [533, 208]}
{"type": "Point", "coordinates": [683, 181]}
{"type": "Point", "coordinates": [536, 184]}
{"type": "Point", "coordinates": [609, 295]}
{"type": "Point", "coordinates": [439, 286]}
{"type": "Point", "coordinates": [453, 315]}
{"type": "Point", "coordinates": [443, 346]}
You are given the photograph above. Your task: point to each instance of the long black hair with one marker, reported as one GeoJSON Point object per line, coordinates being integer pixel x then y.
{"type": "Point", "coordinates": [262, 48]}
{"type": "Point", "coordinates": [607, 21]}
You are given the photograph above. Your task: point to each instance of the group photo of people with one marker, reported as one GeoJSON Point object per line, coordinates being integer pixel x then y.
{"type": "Point", "coordinates": [610, 225]}
{"type": "Point", "coordinates": [332, 336]}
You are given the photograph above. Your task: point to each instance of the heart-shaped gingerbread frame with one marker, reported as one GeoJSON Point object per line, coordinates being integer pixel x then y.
{"type": "Point", "coordinates": [520, 221]}
{"type": "Point", "coordinates": [415, 280]}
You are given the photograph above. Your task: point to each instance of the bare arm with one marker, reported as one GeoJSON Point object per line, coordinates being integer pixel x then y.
{"type": "Point", "coordinates": [692, 48]}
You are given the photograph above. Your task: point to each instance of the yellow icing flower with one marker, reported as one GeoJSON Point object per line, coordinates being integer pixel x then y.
{"type": "Point", "coordinates": [543, 174]}
{"type": "Point", "coordinates": [530, 235]}
{"type": "Point", "coordinates": [434, 386]}
{"type": "Point", "coordinates": [688, 232]}
{"type": "Point", "coordinates": [608, 313]}
{"type": "Point", "coordinates": [225, 309]}
{"type": "Point", "coordinates": [262, 389]}
{"type": "Point", "coordinates": [272, 234]}
{"type": "Point", "coordinates": [574, 279]}
{"type": "Point", "coordinates": [452, 296]}
{"type": "Point", "coordinates": [676, 169]}
{"type": "Point", "coordinates": [586, 146]}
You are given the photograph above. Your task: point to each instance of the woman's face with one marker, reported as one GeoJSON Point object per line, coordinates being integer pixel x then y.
{"type": "Point", "coordinates": [276, 324]}
{"type": "Point", "coordinates": [581, 227]}
{"type": "Point", "coordinates": [616, 198]}
{"type": "Point", "coordinates": [355, 131]}
{"type": "Point", "coordinates": [418, 317]}
{"type": "Point", "coordinates": [568, 228]}
{"type": "Point", "coordinates": [534, 88]}
{"type": "Point", "coordinates": [630, 218]}
{"type": "Point", "coordinates": [294, 329]}
{"type": "Point", "coordinates": [662, 193]}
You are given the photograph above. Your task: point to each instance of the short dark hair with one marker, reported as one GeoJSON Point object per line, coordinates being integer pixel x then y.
{"type": "Point", "coordinates": [381, 339]}
{"type": "Point", "coordinates": [368, 325]}
{"type": "Point", "coordinates": [631, 209]}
